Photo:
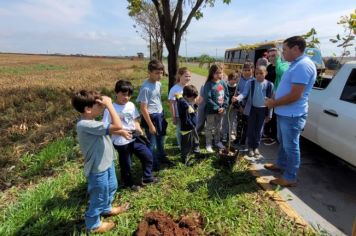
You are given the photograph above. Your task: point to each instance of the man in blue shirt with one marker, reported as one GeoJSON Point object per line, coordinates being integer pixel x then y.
{"type": "Point", "coordinates": [291, 108]}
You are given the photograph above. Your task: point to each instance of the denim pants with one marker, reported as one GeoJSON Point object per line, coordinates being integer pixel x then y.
{"type": "Point", "coordinates": [288, 130]}
{"type": "Point", "coordinates": [101, 188]}
{"type": "Point", "coordinates": [142, 152]}
{"type": "Point", "coordinates": [256, 120]}
{"type": "Point", "coordinates": [156, 147]}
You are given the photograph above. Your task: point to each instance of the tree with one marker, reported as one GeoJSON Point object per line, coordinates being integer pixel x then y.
{"type": "Point", "coordinates": [311, 39]}
{"type": "Point", "coordinates": [349, 25]}
{"type": "Point", "coordinates": [147, 20]}
{"type": "Point", "coordinates": [172, 23]}
{"type": "Point", "coordinates": [205, 59]}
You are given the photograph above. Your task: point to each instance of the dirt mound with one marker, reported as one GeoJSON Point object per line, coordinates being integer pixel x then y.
{"type": "Point", "coordinates": [160, 224]}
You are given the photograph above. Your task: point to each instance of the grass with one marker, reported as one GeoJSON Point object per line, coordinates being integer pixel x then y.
{"type": "Point", "coordinates": [20, 70]}
{"type": "Point", "coordinates": [194, 68]}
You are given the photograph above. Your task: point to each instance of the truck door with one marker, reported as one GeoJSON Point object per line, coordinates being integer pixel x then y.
{"type": "Point", "coordinates": [337, 128]}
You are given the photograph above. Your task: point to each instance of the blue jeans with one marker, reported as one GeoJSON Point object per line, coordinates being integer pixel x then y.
{"type": "Point", "coordinates": [288, 130]}
{"type": "Point", "coordinates": [156, 147]}
{"type": "Point", "coordinates": [101, 188]}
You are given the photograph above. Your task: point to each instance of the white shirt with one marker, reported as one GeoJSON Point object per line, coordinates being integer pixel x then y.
{"type": "Point", "coordinates": [127, 113]}
{"type": "Point", "coordinates": [177, 88]}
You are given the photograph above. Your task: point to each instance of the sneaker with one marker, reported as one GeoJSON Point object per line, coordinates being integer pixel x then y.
{"type": "Point", "coordinates": [135, 188]}
{"type": "Point", "coordinates": [269, 142]}
{"type": "Point", "coordinates": [283, 182]}
{"type": "Point", "coordinates": [103, 228]}
{"type": "Point", "coordinates": [150, 181]}
{"type": "Point", "coordinates": [209, 149]}
{"type": "Point", "coordinates": [257, 153]}
{"type": "Point", "coordinates": [117, 210]}
{"type": "Point", "coordinates": [272, 167]}
{"type": "Point", "coordinates": [251, 153]}
{"type": "Point", "coordinates": [220, 145]}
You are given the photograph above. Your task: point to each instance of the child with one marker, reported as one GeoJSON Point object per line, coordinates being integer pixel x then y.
{"type": "Point", "coordinates": [151, 108]}
{"type": "Point", "coordinates": [256, 91]}
{"type": "Point", "coordinates": [241, 129]}
{"type": "Point", "coordinates": [99, 154]}
{"type": "Point", "coordinates": [216, 95]}
{"type": "Point", "coordinates": [183, 78]}
{"type": "Point", "coordinates": [188, 115]}
{"type": "Point", "coordinates": [124, 142]}
{"type": "Point", "coordinates": [231, 113]}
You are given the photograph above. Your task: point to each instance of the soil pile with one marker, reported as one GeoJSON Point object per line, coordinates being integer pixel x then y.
{"type": "Point", "coordinates": [160, 224]}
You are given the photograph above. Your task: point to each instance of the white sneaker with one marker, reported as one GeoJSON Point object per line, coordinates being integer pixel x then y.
{"type": "Point", "coordinates": [209, 149]}
{"type": "Point", "coordinates": [220, 145]}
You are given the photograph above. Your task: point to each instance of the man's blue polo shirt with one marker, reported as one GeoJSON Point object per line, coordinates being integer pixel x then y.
{"type": "Point", "coordinates": [301, 71]}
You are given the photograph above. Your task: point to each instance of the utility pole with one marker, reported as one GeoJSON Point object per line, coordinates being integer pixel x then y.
{"type": "Point", "coordinates": [186, 51]}
{"type": "Point", "coordinates": [216, 54]}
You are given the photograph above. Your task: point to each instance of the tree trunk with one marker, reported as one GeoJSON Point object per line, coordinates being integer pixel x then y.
{"type": "Point", "coordinates": [172, 65]}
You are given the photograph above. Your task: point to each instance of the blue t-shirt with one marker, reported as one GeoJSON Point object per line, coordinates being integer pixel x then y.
{"type": "Point", "coordinates": [301, 71]}
{"type": "Point", "coordinates": [150, 94]}
{"type": "Point", "coordinates": [95, 144]}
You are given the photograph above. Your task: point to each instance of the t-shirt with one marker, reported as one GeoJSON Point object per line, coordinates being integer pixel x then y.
{"type": "Point", "coordinates": [150, 94]}
{"type": "Point", "coordinates": [95, 144]}
{"type": "Point", "coordinates": [177, 88]}
{"type": "Point", "coordinates": [127, 113]}
{"type": "Point", "coordinates": [301, 71]}
{"type": "Point", "coordinates": [217, 96]}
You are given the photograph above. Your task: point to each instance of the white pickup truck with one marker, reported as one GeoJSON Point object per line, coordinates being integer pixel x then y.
{"type": "Point", "coordinates": [331, 122]}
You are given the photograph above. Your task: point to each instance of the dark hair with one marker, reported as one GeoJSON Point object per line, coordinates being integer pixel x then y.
{"type": "Point", "coordinates": [248, 66]}
{"type": "Point", "coordinates": [212, 70]}
{"type": "Point", "coordinates": [232, 75]}
{"type": "Point", "coordinates": [155, 65]}
{"type": "Point", "coordinates": [124, 86]}
{"type": "Point", "coordinates": [296, 41]}
{"type": "Point", "coordinates": [190, 91]}
{"type": "Point", "coordinates": [83, 99]}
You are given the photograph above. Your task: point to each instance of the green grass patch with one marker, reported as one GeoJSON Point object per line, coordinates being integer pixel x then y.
{"type": "Point", "coordinates": [198, 70]}
{"type": "Point", "coordinates": [22, 70]}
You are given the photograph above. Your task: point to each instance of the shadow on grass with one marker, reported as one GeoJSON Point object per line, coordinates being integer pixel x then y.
{"type": "Point", "coordinates": [226, 182]}
{"type": "Point", "coordinates": [58, 216]}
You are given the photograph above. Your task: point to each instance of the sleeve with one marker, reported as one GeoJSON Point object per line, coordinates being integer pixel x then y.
{"type": "Point", "coordinates": [95, 127]}
{"type": "Point", "coordinates": [171, 95]}
{"type": "Point", "coordinates": [303, 74]}
{"type": "Point", "coordinates": [246, 90]}
{"type": "Point", "coordinates": [143, 95]}
{"type": "Point", "coordinates": [106, 117]}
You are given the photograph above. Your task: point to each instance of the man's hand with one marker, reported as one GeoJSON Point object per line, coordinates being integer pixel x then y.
{"type": "Point", "coordinates": [105, 100]}
{"type": "Point", "coordinates": [152, 130]}
{"type": "Point", "coordinates": [270, 103]}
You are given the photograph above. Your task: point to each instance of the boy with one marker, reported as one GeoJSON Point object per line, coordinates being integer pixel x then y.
{"type": "Point", "coordinates": [151, 108]}
{"type": "Point", "coordinates": [188, 115]}
{"type": "Point", "coordinates": [124, 142]}
{"type": "Point", "coordinates": [99, 154]}
{"type": "Point", "coordinates": [247, 75]}
{"type": "Point", "coordinates": [256, 91]}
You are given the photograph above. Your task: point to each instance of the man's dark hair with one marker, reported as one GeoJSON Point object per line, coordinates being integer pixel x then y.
{"type": "Point", "coordinates": [296, 41]}
{"type": "Point", "coordinates": [155, 65]}
{"type": "Point", "coordinates": [124, 86]}
{"type": "Point", "coordinates": [83, 99]}
{"type": "Point", "coordinates": [190, 91]}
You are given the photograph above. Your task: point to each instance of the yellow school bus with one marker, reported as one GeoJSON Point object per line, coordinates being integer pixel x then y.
{"type": "Point", "coordinates": [236, 57]}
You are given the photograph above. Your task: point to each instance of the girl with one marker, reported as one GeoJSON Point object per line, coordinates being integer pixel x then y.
{"type": "Point", "coordinates": [182, 79]}
{"type": "Point", "coordinates": [217, 96]}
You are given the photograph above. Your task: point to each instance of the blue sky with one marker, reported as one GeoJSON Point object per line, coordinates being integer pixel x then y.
{"type": "Point", "coordinates": [102, 27]}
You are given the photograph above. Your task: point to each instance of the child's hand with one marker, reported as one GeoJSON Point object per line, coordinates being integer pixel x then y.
{"type": "Point", "coordinates": [152, 130]}
{"type": "Point", "coordinates": [234, 99]}
{"type": "Point", "coordinates": [221, 110]}
{"type": "Point", "coordinates": [126, 134]}
{"type": "Point", "coordinates": [105, 100]}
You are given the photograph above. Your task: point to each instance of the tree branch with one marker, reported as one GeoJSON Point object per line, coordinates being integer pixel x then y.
{"type": "Point", "coordinates": [190, 16]}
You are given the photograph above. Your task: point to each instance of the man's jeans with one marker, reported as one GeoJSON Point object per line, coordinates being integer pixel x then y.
{"type": "Point", "coordinates": [101, 188]}
{"type": "Point", "coordinates": [289, 129]}
{"type": "Point", "coordinates": [156, 147]}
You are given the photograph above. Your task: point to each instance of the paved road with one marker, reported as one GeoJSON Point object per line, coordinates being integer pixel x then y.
{"type": "Point", "coordinates": [326, 192]}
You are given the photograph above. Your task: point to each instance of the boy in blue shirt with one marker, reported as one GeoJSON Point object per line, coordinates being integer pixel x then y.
{"type": "Point", "coordinates": [188, 116]}
{"type": "Point", "coordinates": [99, 155]}
{"type": "Point", "coordinates": [151, 108]}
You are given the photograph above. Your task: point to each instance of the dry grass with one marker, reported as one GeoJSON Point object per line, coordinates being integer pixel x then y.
{"type": "Point", "coordinates": [35, 106]}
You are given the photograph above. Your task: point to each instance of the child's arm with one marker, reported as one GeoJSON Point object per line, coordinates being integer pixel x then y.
{"type": "Point", "coordinates": [115, 119]}
{"type": "Point", "coordinates": [146, 116]}
{"type": "Point", "coordinates": [172, 104]}
{"type": "Point", "coordinates": [243, 94]}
